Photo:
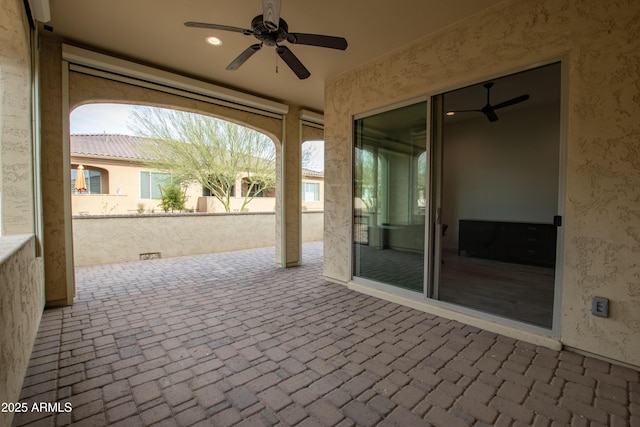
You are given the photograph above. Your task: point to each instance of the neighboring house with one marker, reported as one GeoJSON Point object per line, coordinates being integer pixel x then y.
{"type": "Point", "coordinates": [118, 182]}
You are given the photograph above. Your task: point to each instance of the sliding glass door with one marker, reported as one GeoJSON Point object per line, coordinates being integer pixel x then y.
{"type": "Point", "coordinates": [390, 175]}
{"type": "Point", "coordinates": [456, 198]}
{"type": "Point", "coordinates": [499, 196]}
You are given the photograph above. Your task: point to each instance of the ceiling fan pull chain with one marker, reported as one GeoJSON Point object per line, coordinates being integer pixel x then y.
{"type": "Point", "coordinates": [277, 64]}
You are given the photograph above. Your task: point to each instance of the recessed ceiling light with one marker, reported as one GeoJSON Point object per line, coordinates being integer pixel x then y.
{"type": "Point", "coordinates": [451, 113]}
{"type": "Point", "coordinates": [214, 41]}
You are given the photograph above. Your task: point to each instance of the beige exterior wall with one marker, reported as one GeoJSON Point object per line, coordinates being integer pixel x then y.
{"type": "Point", "coordinates": [122, 195]}
{"type": "Point", "coordinates": [600, 43]}
{"type": "Point", "coordinates": [121, 187]}
{"type": "Point", "coordinates": [21, 272]}
{"type": "Point", "coordinates": [109, 239]}
{"type": "Point", "coordinates": [21, 304]}
{"type": "Point", "coordinates": [16, 173]}
{"type": "Point", "coordinates": [312, 226]}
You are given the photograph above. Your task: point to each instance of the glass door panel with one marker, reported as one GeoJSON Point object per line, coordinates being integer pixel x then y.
{"type": "Point", "coordinates": [499, 195]}
{"type": "Point", "coordinates": [390, 175]}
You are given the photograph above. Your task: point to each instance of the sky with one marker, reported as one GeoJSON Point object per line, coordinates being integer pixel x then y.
{"type": "Point", "coordinates": [101, 118]}
{"type": "Point", "coordinates": [112, 119]}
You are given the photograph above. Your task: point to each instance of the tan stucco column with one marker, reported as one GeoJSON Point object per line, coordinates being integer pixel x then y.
{"type": "Point", "coordinates": [290, 222]}
{"type": "Point", "coordinates": [58, 253]}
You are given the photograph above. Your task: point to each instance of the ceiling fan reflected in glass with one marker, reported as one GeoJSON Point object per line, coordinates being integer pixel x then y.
{"type": "Point", "coordinates": [490, 110]}
{"type": "Point", "coordinates": [271, 30]}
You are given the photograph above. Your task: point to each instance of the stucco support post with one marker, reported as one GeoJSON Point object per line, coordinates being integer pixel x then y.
{"type": "Point", "coordinates": [56, 187]}
{"type": "Point", "coordinates": [290, 232]}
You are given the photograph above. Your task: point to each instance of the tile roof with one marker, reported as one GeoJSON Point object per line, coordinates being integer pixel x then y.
{"type": "Point", "coordinates": [125, 147]}
{"type": "Point", "coordinates": [309, 172]}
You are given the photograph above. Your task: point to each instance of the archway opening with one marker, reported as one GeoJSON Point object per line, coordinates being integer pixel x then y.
{"type": "Point", "coordinates": [176, 182]}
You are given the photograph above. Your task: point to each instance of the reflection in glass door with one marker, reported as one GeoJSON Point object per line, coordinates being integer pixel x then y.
{"type": "Point", "coordinates": [498, 196]}
{"type": "Point", "coordinates": [390, 197]}
{"type": "Point", "coordinates": [478, 199]}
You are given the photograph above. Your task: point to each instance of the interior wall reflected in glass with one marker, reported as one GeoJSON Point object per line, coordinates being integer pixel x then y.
{"type": "Point", "coordinates": [499, 189]}
{"type": "Point", "coordinates": [390, 197]}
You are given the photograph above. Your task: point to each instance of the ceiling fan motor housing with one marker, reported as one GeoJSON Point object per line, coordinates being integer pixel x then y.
{"type": "Point", "coordinates": [263, 32]}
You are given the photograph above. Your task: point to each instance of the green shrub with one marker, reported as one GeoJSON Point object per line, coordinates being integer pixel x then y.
{"type": "Point", "coordinates": [173, 198]}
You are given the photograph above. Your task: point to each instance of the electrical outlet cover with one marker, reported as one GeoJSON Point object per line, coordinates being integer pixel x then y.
{"type": "Point", "coordinates": [600, 306]}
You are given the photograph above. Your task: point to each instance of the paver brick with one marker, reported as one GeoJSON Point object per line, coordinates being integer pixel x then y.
{"type": "Point", "coordinates": [408, 396]}
{"type": "Point", "coordinates": [146, 392]}
{"type": "Point", "coordinates": [481, 392]}
{"type": "Point", "coordinates": [241, 397]}
{"type": "Point", "coordinates": [325, 412]}
{"type": "Point", "coordinates": [514, 392]}
{"type": "Point", "coordinates": [441, 417]}
{"type": "Point", "coordinates": [274, 398]}
{"type": "Point", "coordinates": [121, 412]}
{"type": "Point", "coordinates": [517, 412]}
{"type": "Point", "coordinates": [292, 414]}
{"type": "Point", "coordinates": [198, 342]}
{"type": "Point", "coordinates": [476, 409]}
{"type": "Point", "coordinates": [357, 385]}
{"type": "Point", "coordinates": [360, 414]}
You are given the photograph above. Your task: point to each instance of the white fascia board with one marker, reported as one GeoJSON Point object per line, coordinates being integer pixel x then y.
{"type": "Point", "coordinates": [311, 116]}
{"type": "Point", "coordinates": [40, 10]}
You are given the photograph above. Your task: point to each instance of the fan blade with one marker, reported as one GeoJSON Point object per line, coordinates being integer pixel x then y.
{"type": "Point", "coordinates": [293, 62]}
{"type": "Point", "coordinates": [242, 58]}
{"type": "Point", "coordinates": [271, 14]}
{"type": "Point", "coordinates": [491, 115]}
{"type": "Point", "coordinates": [465, 111]}
{"type": "Point", "coordinates": [217, 27]}
{"type": "Point", "coordinates": [512, 101]}
{"type": "Point", "coordinates": [317, 40]}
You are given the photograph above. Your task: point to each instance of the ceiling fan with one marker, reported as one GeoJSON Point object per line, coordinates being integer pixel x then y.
{"type": "Point", "coordinates": [490, 110]}
{"type": "Point", "coordinates": [270, 30]}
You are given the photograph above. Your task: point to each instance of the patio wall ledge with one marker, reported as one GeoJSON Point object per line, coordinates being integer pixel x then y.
{"type": "Point", "coordinates": [21, 306]}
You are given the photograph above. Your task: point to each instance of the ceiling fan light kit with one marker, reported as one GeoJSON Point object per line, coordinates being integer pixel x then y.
{"type": "Point", "coordinates": [271, 30]}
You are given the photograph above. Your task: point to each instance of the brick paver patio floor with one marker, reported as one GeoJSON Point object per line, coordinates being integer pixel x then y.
{"type": "Point", "coordinates": [229, 339]}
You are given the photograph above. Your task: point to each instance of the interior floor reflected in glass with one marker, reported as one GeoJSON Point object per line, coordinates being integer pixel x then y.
{"type": "Point", "coordinates": [403, 269]}
{"type": "Point", "coordinates": [516, 291]}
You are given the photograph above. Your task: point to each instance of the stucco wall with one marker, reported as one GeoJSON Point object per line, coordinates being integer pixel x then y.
{"type": "Point", "coordinates": [21, 303]}
{"type": "Point", "coordinates": [109, 239]}
{"type": "Point", "coordinates": [21, 282]}
{"type": "Point", "coordinates": [601, 43]}
{"type": "Point", "coordinates": [56, 179]}
{"type": "Point", "coordinates": [16, 177]}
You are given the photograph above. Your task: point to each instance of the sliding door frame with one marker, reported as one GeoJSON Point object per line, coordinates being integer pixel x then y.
{"type": "Point", "coordinates": [433, 226]}
{"type": "Point", "coordinates": [427, 272]}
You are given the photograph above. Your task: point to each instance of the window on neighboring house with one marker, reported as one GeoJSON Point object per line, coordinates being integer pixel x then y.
{"type": "Point", "coordinates": [150, 183]}
{"type": "Point", "coordinates": [311, 191]}
{"type": "Point", "coordinates": [255, 191]}
{"type": "Point", "coordinates": [207, 193]}
{"type": "Point", "coordinates": [92, 178]}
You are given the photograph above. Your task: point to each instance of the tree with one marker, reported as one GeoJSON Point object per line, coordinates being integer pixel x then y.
{"type": "Point", "coordinates": [366, 177]}
{"type": "Point", "coordinates": [206, 150]}
{"type": "Point", "coordinates": [312, 157]}
{"type": "Point", "coordinates": [309, 151]}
